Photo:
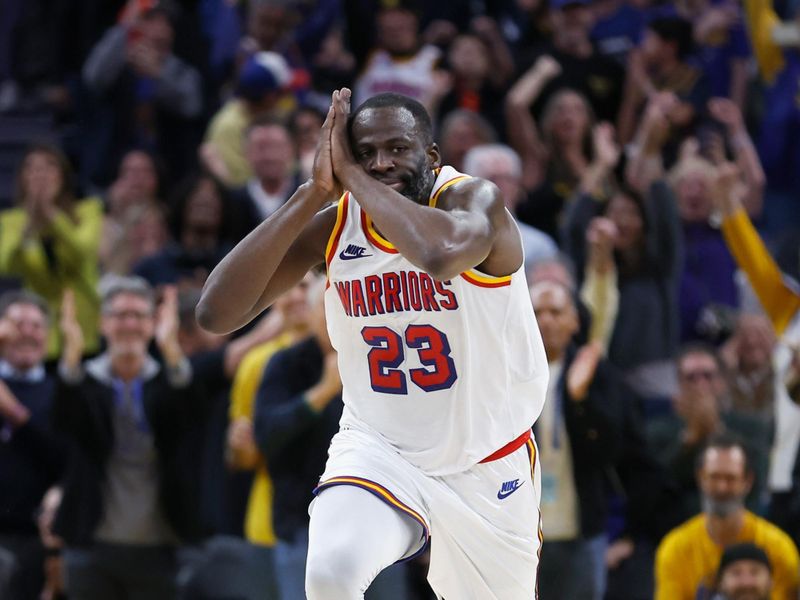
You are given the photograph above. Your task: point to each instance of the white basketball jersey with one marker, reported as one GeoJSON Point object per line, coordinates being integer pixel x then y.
{"type": "Point", "coordinates": [447, 372]}
{"type": "Point", "coordinates": [411, 77]}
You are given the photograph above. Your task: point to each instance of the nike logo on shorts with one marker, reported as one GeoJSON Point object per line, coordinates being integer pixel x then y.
{"type": "Point", "coordinates": [508, 488]}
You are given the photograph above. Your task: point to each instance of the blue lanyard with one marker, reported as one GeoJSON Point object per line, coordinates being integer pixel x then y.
{"type": "Point", "coordinates": [136, 391]}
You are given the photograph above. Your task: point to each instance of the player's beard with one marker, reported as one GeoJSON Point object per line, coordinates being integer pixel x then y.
{"type": "Point", "coordinates": [722, 507]}
{"type": "Point", "coordinates": [419, 185]}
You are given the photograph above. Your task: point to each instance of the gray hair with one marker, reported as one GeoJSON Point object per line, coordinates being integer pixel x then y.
{"type": "Point", "coordinates": [23, 297]}
{"type": "Point", "coordinates": [114, 285]}
{"type": "Point", "coordinates": [478, 156]}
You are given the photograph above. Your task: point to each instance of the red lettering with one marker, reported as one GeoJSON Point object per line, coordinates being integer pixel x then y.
{"type": "Point", "coordinates": [428, 293]}
{"type": "Point", "coordinates": [358, 300]}
{"type": "Point", "coordinates": [404, 289]}
{"type": "Point", "coordinates": [373, 285]}
{"type": "Point", "coordinates": [343, 288]}
{"type": "Point", "coordinates": [391, 292]}
{"type": "Point", "coordinates": [450, 302]}
{"type": "Point", "coordinates": [413, 291]}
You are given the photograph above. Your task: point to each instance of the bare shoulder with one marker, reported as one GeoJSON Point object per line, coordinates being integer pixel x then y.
{"type": "Point", "coordinates": [473, 195]}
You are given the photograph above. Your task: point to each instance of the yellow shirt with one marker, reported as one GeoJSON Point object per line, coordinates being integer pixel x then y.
{"type": "Point", "coordinates": [258, 519]}
{"type": "Point", "coordinates": [779, 302]}
{"type": "Point", "coordinates": [75, 245]}
{"type": "Point", "coordinates": [761, 20]}
{"type": "Point", "coordinates": [687, 559]}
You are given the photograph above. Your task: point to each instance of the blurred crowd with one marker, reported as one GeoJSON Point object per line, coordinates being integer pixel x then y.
{"type": "Point", "coordinates": [650, 152]}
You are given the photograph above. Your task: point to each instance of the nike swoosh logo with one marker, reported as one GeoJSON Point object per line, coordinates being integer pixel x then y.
{"type": "Point", "coordinates": [501, 495]}
{"type": "Point", "coordinates": [344, 256]}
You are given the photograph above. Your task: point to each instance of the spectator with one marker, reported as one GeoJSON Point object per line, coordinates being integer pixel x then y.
{"type": "Point", "coordinates": [660, 65]}
{"type": "Point", "coordinates": [138, 94]}
{"type": "Point", "coordinates": [700, 410]}
{"type": "Point", "coordinates": [131, 486]}
{"type": "Point", "coordinates": [290, 314]}
{"type": "Point", "coordinates": [201, 223]}
{"type": "Point", "coordinates": [748, 361]}
{"type": "Point", "coordinates": [30, 456]}
{"type": "Point", "coordinates": [461, 131]}
{"type": "Point", "coordinates": [708, 292]}
{"type": "Point", "coordinates": [580, 67]}
{"type": "Point", "coordinates": [555, 155]}
{"type": "Point", "coordinates": [578, 433]}
{"type": "Point", "coordinates": [774, 45]}
{"type": "Point", "coordinates": [481, 67]}
{"type": "Point", "coordinates": [50, 240]}
{"type": "Point", "coordinates": [395, 59]}
{"type": "Point", "coordinates": [722, 48]}
{"type": "Point", "coordinates": [502, 166]}
{"type": "Point", "coordinates": [781, 303]}
{"type": "Point", "coordinates": [261, 90]}
{"type": "Point", "coordinates": [648, 256]}
{"type": "Point", "coordinates": [724, 476]}
{"type": "Point", "coordinates": [617, 28]}
{"type": "Point", "coordinates": [134, 226]}
{"type": "Point", "coordinates": [305, 125]}
{"type": "Point", "coordinates": [271, 154]}
{"type": "Point", "coordinates": [745, 573]}
{"type": "Point", "coordinates": [297, 411]}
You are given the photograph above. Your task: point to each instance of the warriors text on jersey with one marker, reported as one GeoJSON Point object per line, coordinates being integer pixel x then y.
{"type": "Point", "coordinates": [447, 372]}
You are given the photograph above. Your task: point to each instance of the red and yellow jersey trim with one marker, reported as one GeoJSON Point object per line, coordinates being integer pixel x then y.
{"type": "Point", "coordinates": [540, 534]}
{"type": "Point", "coordinates": [488, 281]}
{"type": "Point", "coordinates": [375, 238]}
{"type": "Point", "coordinates": [435, 198]}
{"type": "Point", "coordinates": [381, 493]}
{"type": "Point", "coordinates": [336, 233]}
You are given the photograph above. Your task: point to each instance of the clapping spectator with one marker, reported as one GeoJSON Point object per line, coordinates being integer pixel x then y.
{"type": "Point", "coordinates": [50, 240]}
{"type": "Point", "coordinates": [134, 226]}
{"type": "Point", "coordinates": [660, 66]}
{"type": "Point", "coordinates": [132, 479]}
{"type": "Point", "coordinates": [31, 458]}
{"type": "Point", "coordinates": [460, 131]}
{"type": "Point", "coordinates": [138, 94]}
{"type": "Point", "coordinates": [744, 573]}
{"type": "Point", "coordinates": [200, 221]}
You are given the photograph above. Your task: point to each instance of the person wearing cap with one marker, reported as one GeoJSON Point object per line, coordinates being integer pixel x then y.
{"type": "Point", "coordinates": [261, 91]}
{"type": "Point", "coordinates": [688, 558]}
{"type": "Point", "coordinates": [745, 573]}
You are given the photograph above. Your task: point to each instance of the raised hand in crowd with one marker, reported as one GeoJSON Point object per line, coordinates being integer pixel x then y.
{"type": "Point", "coordinates": [71, 332]}
{"type": "Point", "coordinates": [701, 413]}
{"type": "Point", "coordinates": [582, 370]}
{"type": "Point", "coordinates": [752, 176]}
{"type": "Point", "coordinates": [167, 325]}
{"type": "Point", "coordinates": [600, 239]}
{"type": "Point", "coordinates": [645, 163]}
{"type": "Point", "coordinates": [604, 161]}
{"type": "Point", "coordinates": [241, 449]}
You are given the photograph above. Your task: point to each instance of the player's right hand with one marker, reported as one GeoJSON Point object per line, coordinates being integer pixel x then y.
{"type": "Point", "coordinates": [322, 176]}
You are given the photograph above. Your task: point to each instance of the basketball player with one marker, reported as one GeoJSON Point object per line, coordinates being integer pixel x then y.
{"type": "Point", "coordinates": [442, 364]}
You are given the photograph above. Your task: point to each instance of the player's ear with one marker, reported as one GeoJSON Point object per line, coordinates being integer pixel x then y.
{"type": "Point", "coordinates": [434, 156]}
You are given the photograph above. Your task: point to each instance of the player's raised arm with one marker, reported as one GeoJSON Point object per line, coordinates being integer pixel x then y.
{"type": "Point", "coordinates": [386, 160]}
{"type": "Point", "coordinates": [275, 255]}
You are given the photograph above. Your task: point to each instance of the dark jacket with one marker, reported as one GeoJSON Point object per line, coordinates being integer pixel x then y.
{"type": "Point", "coordinates": [31, 457]}
{"type": "Point", "coordinates": [83, 411]}
{"type": "Point", "coordinates": [293, 438]}
{"type": "Point", "coordinates": [608, 452]}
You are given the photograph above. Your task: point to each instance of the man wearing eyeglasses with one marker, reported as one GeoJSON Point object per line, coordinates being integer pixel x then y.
{"type": "Point", "coordinates": [130, 490]}
{"type": "Point", "coordinates": [701, 409]}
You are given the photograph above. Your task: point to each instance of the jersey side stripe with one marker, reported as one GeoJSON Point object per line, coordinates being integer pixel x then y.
{"type": "Point", "coordinates": [336, 233]}
{"type": "Point", "coordinates": [482, 280]}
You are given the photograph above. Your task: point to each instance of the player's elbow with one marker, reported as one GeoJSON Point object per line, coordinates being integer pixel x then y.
{"type": "Point", "coordinates": [209, 317]}
{"type": "Point", "coordinates": [439, 264]}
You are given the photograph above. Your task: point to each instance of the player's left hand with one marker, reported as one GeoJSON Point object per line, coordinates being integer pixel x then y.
{"type": "Point", "coordinates": [341, 154]}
